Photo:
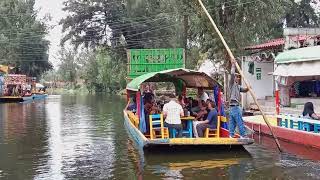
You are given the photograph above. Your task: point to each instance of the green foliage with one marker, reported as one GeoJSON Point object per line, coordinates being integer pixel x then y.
{"type": "Point", "coordinates": [69, 66]}
{"type": "Point", "coordinates": [22, 38]}
{"type": "Point", "coordinates": [116, 25]}
{"type": "Point", "coordinates": [109, 73]}
{"type": "Point", "coordinates": [97, 68]}
{"type": "Point", "coordinates": [302, 15]}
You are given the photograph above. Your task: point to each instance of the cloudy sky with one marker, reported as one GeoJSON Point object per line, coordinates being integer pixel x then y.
{"type": "Point", "coordinates": [54, 8]}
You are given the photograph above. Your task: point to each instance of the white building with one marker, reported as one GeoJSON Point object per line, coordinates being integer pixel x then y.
{"type": "Point", "coordinates": [262, 59]}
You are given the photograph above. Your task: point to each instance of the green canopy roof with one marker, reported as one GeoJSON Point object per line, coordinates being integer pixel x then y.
{"type": "Point", "coordinates": [299, 55]}
{"type": "Point", "coordinates": [191, 78]}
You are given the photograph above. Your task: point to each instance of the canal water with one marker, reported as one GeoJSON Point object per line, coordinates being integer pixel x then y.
{"type": "Point", "coordinates": [83, 137]}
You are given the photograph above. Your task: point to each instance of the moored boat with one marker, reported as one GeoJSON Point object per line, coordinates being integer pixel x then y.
{"type": "Point", "coordinates": [15, 88]}
{"type": "Point", "coordinates": [293, 68]}
{"type": "Point", "coordinates": [188, 79]}
{"type": "Point", "coordinates": [288, 128]}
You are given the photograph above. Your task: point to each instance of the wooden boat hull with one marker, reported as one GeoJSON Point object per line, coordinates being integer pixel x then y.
{"type": "Point", "coordinates": [10, 99]}
{"type": "Point", "coordinates": [286, 134]}
{"type": "Point", "coordinates": [15, 99]}
{"type": "Point", "coordinates": [145, 143]}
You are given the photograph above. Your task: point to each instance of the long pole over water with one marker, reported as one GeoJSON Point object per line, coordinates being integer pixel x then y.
{"type": "Point", "coordinates": [232, 59]}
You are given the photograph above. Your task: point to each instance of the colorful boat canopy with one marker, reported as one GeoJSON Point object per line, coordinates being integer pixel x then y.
{"type": "Point", "coordinates": [15, 79]}
{"type": "Point", "coordinates": [191, 78]}
{"type": "Point", "coordinates": [299, 55]}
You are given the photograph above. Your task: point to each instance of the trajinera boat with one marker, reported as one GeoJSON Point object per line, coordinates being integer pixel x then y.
{"type": "Point", "coordinates": [16, 88]}
{"type": "Point", "coordinates": [149, 132]}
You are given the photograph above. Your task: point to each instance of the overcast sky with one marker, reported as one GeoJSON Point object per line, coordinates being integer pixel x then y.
{"type": "Point", "coordinates": [54, 8]}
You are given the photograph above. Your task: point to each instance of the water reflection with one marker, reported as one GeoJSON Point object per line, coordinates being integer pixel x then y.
{"type": "Point", "coordinates": [209, 166]}
{"type": "Point", "coordinates": [82, 152]}
{"type": "Point", "coordinates": [83, 137]}
{"type": "Point", "coordinates": [55, 147]}
{"type": "Point", "coordinates": [23, 139]}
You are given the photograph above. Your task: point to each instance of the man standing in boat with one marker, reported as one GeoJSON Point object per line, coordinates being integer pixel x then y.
{"type": "Point", "coordinates": [235, 98]}
{"type": "Point", "coordinates": [172, 112]}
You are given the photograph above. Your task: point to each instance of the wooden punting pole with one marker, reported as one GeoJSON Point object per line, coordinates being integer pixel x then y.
{"type": "Point", "coordinates": [232, 58]}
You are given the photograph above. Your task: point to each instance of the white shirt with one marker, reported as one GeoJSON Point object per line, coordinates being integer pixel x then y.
{"type": "Point", "coordinates": [173, 110]}
{"type": "Point", "coordinates": [204, 96]}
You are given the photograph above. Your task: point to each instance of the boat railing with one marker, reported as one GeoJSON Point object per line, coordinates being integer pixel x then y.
{"type": "Point", "coordinates": [165, 132]}
{"type": "Point", "coordinates": [298, 123]}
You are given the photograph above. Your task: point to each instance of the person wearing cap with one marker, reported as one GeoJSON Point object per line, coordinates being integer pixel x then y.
{"type": "Point", "coordinates": [172, 112]}
{"type": "Point", "coordinates": [235, 98]}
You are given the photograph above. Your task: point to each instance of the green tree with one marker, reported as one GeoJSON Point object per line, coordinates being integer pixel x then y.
{"type": "Point", "coordinates": [68, 67]}
{"type": "Point", "coordinates": [22, 38]}
{"type": "Point", "coordinates": [113, 26]}
{"type": "Point", "coordinates": [302, 14]}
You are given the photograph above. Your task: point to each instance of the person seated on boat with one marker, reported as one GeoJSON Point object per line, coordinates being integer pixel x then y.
{"type": "Point", "coordinates": [202, 114]}
{"type": "Point", "coordinates": [27, 93]}
{"type": "Point", "coordinates": [210, 122]}
{"type": "Point", "coordinates": [148, 109]}
{"type": "Point", "coordinates": [151, 107]}
{"type": "Point", "coordinates": [42, 90]}
{"type": "Point", "coordinates": [20, 89]}
{"type": "Point", "coordinates": [9, 90]}
{"type": "Point", "coordinates": [202, 96]}
{"type": "Point", "coordinates": [172, 112]}
{"type": "Point", "coordinates": [132, 105]}
{"type": "Point", "coordinates": [188, 102]}
{"type": "Point", "coordinates": [15, 91]}
{"type": "Point", "coordinates": [6, 91]}
{"type": "Point", "coordinates": [181, 101]}
{"type": "Point", "coordinates": [308, 111]}
{"type": "Point", "coordinates": [148, 94]}
{"type": "Point", "coordinates": [155, 109]}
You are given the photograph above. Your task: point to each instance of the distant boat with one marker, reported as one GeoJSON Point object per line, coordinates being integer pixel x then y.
{"type": "Point", "coordinates": [11, 89]}
{"type": "Point", "coordinates": [11, 99]}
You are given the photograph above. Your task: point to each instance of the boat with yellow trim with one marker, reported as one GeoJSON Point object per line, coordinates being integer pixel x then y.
{"type": "Point", "coordinates": [182, 79]}
{"type": "Point", "coordinates": [13, 87]}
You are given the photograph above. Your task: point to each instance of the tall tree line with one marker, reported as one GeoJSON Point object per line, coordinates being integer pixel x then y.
{"type": "Point", "coordinates": [110, 27]}
{"type": "Point", "coordinates": [22, 38]}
